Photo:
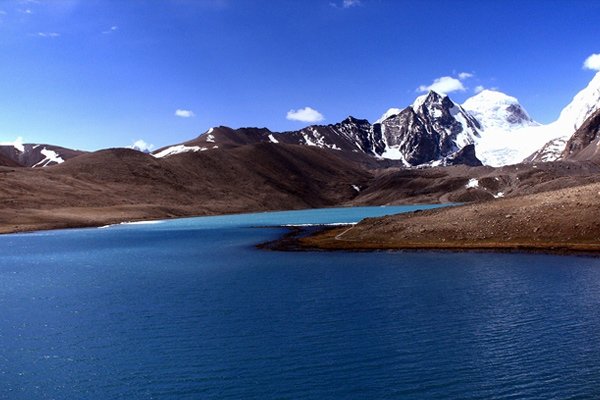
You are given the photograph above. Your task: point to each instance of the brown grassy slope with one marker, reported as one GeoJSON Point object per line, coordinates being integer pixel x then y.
{"type": "Point", "coordinates": [561, 220]}
{"type": "Point", "coordinates": [119, 184]}
{"type": "Point", "coordinates": [449, 184]}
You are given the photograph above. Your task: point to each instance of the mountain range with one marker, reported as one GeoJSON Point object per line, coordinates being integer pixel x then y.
{"type": "Point", "coordinates": [434, 150]}
{"type": "Point", "coordinates": [490, 128]}
{"type": "Point", "coordinates": [433, 131]}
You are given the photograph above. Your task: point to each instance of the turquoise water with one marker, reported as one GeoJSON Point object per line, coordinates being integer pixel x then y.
{"type": "Point", "coordinates": [190, 309]}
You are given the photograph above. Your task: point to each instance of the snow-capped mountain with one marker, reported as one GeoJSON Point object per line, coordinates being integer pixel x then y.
{"type": "Point", "coordinates": [571, 118]}
{"type": "Point", "coordinates": [497, 111]}
{"type": "Point", "coordinates": [35, 155]}
{"type": "Point", "coordinates": [431, 129]}
{"type": "Point", "coordinates": [499, 116]}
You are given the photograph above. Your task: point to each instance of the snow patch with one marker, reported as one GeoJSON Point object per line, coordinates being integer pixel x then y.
{"type": "Point", "coordinates": [178, 149]}
{"type": "Point", "coordinates": [473, 183]}
{"type": "Point", "coordinates": [272, 139]}
{"type": "Point", "coordinates": [141, 222]}
{"type": "Point", "coordinates": [356, 188]}
{"type": "Point", "coordinates": [50, 157]}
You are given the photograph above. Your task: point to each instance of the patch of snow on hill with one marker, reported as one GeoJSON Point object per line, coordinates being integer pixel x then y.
{"type": "Point", "coordinates": [51, 157]}
{"type": "Point", "coordinates": [178, 149]}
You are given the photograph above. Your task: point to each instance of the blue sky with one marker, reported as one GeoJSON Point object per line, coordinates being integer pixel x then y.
{"type": "Point", "coordinates": [91, 74]}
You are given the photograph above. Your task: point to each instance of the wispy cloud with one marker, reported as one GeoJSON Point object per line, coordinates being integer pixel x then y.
{"type": "Point", "coordinates": [479, 89]}
{"type": "Point", "coordinates": [141, 145]}
{"type": "Point", "coordinates": [350, 3]}
{"type": "Point", "coordinates": [465, 75]}
{"type": "Point", "coordinates": [306, 114]}
{"type": "Point", "coordinates": [592, 62]}
{"type": "Point", "coordinates": [184, 113]}
{"type": "Point", "coordinates": [110, 30]}
{"type": "Point", "coordinates": [345, 4]}
{"type": "Point", "coordinates": [48, 34]}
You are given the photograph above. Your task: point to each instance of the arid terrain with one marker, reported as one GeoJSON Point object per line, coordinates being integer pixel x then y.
{"type": "Point", "coordinates": [115, 185]}
{"type": "Point", "coordinates": [565, 220]}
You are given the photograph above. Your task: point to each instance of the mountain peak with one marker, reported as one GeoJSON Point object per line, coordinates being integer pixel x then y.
{"type": "Point", "coordinates": [491, 96]}
{"type": "Point", "coordinates": [497, 110]}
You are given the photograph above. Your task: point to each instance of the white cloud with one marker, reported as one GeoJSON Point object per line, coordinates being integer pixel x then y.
{"type": "Point", "coordinates": [464, 75]}
{"type": "Point", "coordinates": [141, 145]}
{"type": "Point", "coordinates": [306, 114]}
{"type": "Point", "coordinates": [184, 113]}
{"type": "Point", "coordinates": [18, 144]}
{"type": "Point", "coordinates": [592, 62]}
{"type": "Point", "coordinates": [112, 29]}
{"type": "Point", "coordinates": [479, 89]}
{"type": "Point", "coordinates": [345, 3]}
{"type": "Point", "coordinates": [48, 34]}
{"type": "Point", "coordinates": [350, 3]}
{"type": "Point", "coordinates": [444, 85]}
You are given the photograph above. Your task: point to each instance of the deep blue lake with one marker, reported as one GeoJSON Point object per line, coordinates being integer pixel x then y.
{"type": "Point", "coordinates": [190, 309]}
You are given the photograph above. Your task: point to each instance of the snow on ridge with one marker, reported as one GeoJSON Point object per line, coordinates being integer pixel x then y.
{"type": "Point", "coordinates": [582, 106]}
{"type": "Point", "coordinates": [272, 139]}
{"type": "Point", "coordinates": [389, 113]}
{"type": "Point", "coordinates": [178, 149]}
{"type": "Point", "coordinates": [50, 157]}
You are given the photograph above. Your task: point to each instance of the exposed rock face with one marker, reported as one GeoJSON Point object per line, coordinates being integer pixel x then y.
{"type": "Point", "coordinates": [585, 142]}
{"type": "Point", "coordinates": [549, 152]}
{"type": "Point", "coordinates": [433, 128]}
{"type": "Point", "coordinates": [465, 156]}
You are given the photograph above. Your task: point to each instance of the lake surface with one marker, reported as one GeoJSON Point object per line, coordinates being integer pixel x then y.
{"type": "Point", "coordinates": [190, 309]}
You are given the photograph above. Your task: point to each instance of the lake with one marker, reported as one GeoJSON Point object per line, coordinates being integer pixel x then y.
{"type": "Point", "coordinates": [190, 309]}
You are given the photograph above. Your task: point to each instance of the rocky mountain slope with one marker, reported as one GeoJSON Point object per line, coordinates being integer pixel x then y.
{"type": "Point", "coordinates": [432, 131]}
{"type": "Point", "coordinates": [585, 142]}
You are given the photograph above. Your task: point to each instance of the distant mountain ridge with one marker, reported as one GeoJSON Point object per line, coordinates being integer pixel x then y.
{"type": "Point", "coordinates": [430, 132]}
{"type": "Point", "coordinates": [35, 155]}
{"type": "Point", "coordinates": [489, 128]}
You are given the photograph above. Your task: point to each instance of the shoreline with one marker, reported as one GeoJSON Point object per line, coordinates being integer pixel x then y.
{"type": "Point", "coordinates": [323, 238]}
